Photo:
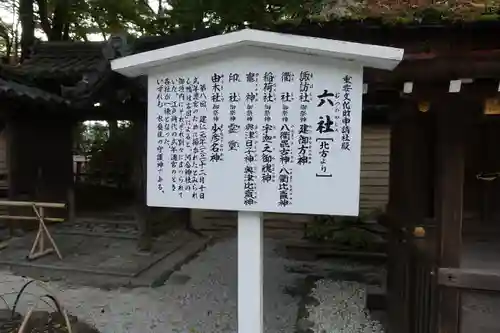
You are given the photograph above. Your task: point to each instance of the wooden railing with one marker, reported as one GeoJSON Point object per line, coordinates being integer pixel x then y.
{"type": "Point", "coordinates": [424, 294]}
{"type": "Point", "coordinates": [418, 308]}
{"type": "Point", "coordinates": [428, 285]}
{"type": "Point", "coordinates": [469, 279]}
{"type": "Point", "coordinates": [472, 287]}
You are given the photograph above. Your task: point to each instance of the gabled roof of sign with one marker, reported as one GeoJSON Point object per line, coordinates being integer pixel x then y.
{"type": "Point", "coordinates": [368, 55]}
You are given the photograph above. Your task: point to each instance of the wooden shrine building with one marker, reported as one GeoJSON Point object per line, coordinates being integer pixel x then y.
{"type": "Point", "coordinates": [441, 106]}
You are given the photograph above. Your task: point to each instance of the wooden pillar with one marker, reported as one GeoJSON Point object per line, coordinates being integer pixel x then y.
{"type": "Point", "coordinates": [406, 205]}
{"type": "Point", "coordinates": [22, 160]}
{"type": "Point", "coordinates": [452, 117]}
{"type": "Point", "coordinates": [21, 163]}
{"type": "Point", "coordinates": [40, 158]}
{"type": "Point", "coordinates": [141, 210]}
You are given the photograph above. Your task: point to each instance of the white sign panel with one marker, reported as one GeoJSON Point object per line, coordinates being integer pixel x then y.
{"type": "Point", "coordinates": [254, 133]}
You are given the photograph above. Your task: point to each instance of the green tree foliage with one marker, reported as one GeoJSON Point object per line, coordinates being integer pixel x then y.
{"type": "Point", "coordinates": [108, 150]}
{"type": "Point", "coordinates": [227, 15]}
{"type": "Point", "coordinates": [60, 20]}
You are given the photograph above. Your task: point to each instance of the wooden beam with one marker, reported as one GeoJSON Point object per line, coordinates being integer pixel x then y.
{"type": "Point", "coordinates": [30, 218]}
{"type": "Point", "coordinates": [440, 68]}
{"type": "Point", "coordinates": [11, 203]}
{"type": "Point", "coordinates": [475, 279]}
{"type": "Point", "coordinates": [478, 89]}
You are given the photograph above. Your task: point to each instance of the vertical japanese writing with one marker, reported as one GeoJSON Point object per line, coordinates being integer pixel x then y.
{"type": "Point", "coordinates": [202, 141]}
{"type": "Point", "coordinates": [217, 138]}
{"type": "Point", "coordinates": [286, 139]}
{"type": "Point", "coordinates": [167, 113]}
{"type": "Point", "coordinates": [172, 109]}
{"type": "Point", "coordinates": [337, 113]}
{"type": "Point", "coordinates": [324, 151]}
{"type": "Point", "coordinates": [250, 165]}
{"type": "Point", "coordinates": [326, 127]}
{"type": "Point", "coordinates": [330, 101]}
{"type": "Point", "coordinates": [197, 98]}
{"type": "Point", "coordinates": [234, 101]}
{"type": "Point", "coordinates": [160, 135]}
{"type": "Point", "coordinates": [188, 123]}
{"type": "Point", "coordinates": [268, 167]}
{"type": "Point", "coordinates": [166, 127]}
{"type": "Point", "coordinates": [304, 140]}
{"type": "Point", "coordinates": [159, 152]}
{"type": "Point", "coordinates": [181, 148]}
{"type": "Point", "coordinates": [184, 133]}
{"type": "Point", "coordinates": [346, 114]}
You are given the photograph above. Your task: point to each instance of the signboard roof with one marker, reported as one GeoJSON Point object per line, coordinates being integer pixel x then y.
{"type": "Point", "coordinates": [365, 55]}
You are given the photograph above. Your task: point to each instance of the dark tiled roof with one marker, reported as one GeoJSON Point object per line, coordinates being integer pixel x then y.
{"type": "Point", "coordinates": [67, 61]}
{"type": "Point", "coordinates": [64, 61]}
{"type": "Point", "coordinates": [12, 89]}
{"type": "Point", "coordinates": [76, 70]}
{"type": "Point", "coordinates": [70, 71]}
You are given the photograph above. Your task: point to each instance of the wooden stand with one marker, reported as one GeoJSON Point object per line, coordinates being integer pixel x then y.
{"type": "Point", "coordinates": [40, 239]}
{"type": "Point", "coordinates": [38, 249]}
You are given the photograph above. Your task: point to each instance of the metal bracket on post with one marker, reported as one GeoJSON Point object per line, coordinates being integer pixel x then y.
{"type": "Point", "coordinates": [250, 272]}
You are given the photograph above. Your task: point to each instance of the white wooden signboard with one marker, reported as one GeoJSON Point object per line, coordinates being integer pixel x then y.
{"type": "Point", "coordinates": [260, 131]}
{"type": "Point", "coordinates": [256, 122]}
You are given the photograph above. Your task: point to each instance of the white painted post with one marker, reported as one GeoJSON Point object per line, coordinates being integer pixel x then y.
{"type": "Point", "coordinates": [250, 272]}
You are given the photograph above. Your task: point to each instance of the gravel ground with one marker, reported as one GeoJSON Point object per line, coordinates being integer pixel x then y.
{"type": "Point", "coordinates": [200, 298]}
{"type": "Point", "coordinates": [480, 312]}
{"type": "Point", "coordinates": [341, 308]}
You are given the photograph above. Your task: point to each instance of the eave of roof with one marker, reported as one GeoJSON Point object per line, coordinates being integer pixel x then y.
{"type": "Point", "coordinates": [367, 55]}
{"type": "Point", "coordinates": [65, 62]}
{"type": "Point", "coordinates": [17, 90]}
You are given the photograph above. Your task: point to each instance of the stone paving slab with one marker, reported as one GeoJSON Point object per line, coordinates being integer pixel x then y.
{"type": "Point", "coordinates": [111, 258]}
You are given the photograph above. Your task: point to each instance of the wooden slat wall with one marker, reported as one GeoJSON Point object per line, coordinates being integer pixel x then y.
{"type": "Point", "coordinates": [373, 194]}
{"type": "Point", "coordinates": [375, 152]}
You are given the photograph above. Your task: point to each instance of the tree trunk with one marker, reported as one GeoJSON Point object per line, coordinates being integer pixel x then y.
{"type": "Point", "coordinates": [60, 20]}
{"type": "Point", "coordinates": [113, 127]}
{"type": "Point", "coordinates": [65, 36]}
{"type": "Point", "coordinates": [26, 17]}
{"type": "Point", "coordinates": [43, 14]}
{"type": "Point", "coordinates": [15, 58]}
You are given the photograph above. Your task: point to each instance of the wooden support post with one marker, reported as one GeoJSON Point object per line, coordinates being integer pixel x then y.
{"type": "Point", "coordinates": [145, 242]}
{"type": "Point", "coordinates": [396, 279]}
{"type": "Point", "coordinates": [450, 158]}
{"type": "Point", "coordinates": [71, 204]}
{"type": "Point", "coordinates": [406, 204]}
